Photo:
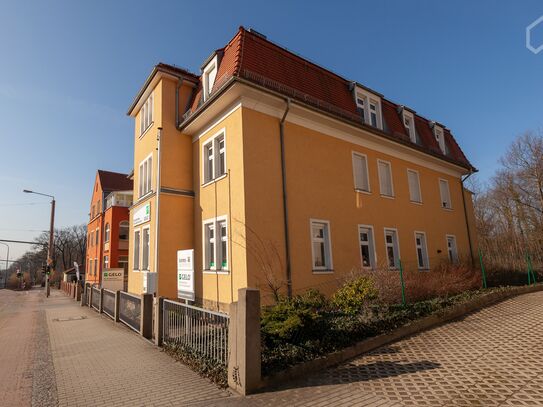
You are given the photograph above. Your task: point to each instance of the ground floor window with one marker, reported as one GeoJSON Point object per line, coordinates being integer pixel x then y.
{"type": "Point", "coordinates": [392, 248]}
{"type": "Point", "coordinates": [451, 249]}
{"type": "Point", "coordinates": [367, 246]}
{"type": "Point", "coordinates": [321, 247]}
{"type": "Point", "coordinates": [215, 243]}
{"type": "Point", "coordinates": [422, 251]}
{"type": "Point", "coordinates": [145, 248]}
{"type": "Point", "coordinates": [123, 262]}
{"type": "Point", "coordinates": [137, 235]}
{"type": "Point", "coordinates": [106, 262]}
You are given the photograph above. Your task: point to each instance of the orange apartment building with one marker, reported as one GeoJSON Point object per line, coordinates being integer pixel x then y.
{"type": "Point", "coordinates": [107, 230]}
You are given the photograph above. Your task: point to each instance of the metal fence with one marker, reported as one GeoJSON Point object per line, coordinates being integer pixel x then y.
{"type": "Point", "coordinates": [108, 303]}
{"type": "Point", "coordinates": [203, 331]}
{"type": "Point", "coordinates": [87, 295]}
{"type": "Point", "coordinates": [130, 310]}
{"type": "Point", "coordinates": [96, 298]}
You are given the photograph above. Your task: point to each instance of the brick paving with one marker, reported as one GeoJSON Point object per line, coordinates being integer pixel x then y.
{"type": "Point", "coordinates": [490, 358]}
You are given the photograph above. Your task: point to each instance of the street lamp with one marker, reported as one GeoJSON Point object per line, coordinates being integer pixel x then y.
{"type": "Point", "coordinates": [7, 265]}
{"type": "Point", "coordinates": [50, 248]}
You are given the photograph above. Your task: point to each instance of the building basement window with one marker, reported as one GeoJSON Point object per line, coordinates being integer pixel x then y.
{"type": "Point", "coordinates": [321, 248]}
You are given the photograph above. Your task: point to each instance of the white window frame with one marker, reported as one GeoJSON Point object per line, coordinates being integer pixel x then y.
{"type": "Point", "coordinates": [124, 224]}
{"type": "Point", "coordinates": [356, 154]}
{"type": "Point", "coordinates": [409, 170]}
{"type": "Point", "coordinates": [145, 176]}
{"type": "Point", "coordinates": [136, 265]}
{"type": "Point", "coordinates": [454, 255]}
{"type": "Point", "coordinates": [206, 86]}
{"type": "Point", "coordinates": [396, 260]}
{"type": "Point", "coordinates": [373, 253]}
{"type": "Point", "coordinates": [424, 248]}
{"type": "Point", "coordinates": [411, 131]}
{"type": "Point", "coordinates": [89, 272]}
{"type": "Point", "coordinates": [106, 261]}
{"type": "Point", "coordinates": [443, 202]}
{"type": "Point", "coordinates": [146, 114]}
{"type": "Point", "coordinates": [107, 232]}
{"type": "Point", "coordinates": [143, 229]}
{"type": "Point", "coordinates": [368, 98]}
{"type": "Point", "coordinates": [213, 142]}
{"type": "Point", "coordinates": [439, 134]}
{"type": "Point", "coordinates": [391, 179]}
{"type": "Point", "coordinates": [217, 240]}
{"type": "Point", "coordinates": [327, 240]}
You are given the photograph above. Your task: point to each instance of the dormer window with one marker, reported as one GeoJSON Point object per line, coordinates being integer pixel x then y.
{"type": "Point", "coordinates": [438, 134]}
{"type": "Point", "coordinates": [369, 106]}
{"type": "Point", "coordinates": [409, 123]}
{"type": "Point", "coordinates": [209, 75]}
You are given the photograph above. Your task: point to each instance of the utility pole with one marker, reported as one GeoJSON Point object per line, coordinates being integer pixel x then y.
{"type": "Point", "coordinates": [50, 247]}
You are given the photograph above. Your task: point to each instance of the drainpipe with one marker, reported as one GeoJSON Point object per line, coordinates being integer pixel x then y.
{"type": "Point", "coordinates": [285, 208]}
{"type": "Point", "coordinates": [462, 180]}
{"type": "Point", "coordinates": [157, 203]}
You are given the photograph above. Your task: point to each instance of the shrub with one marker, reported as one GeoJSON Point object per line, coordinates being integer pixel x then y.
{"type": "Point", "coordinates": [352, 297]}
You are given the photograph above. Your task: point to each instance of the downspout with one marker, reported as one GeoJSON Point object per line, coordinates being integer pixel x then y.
{"type": "Point", "coordinates": [285, 208]}
{"type": "Point", "coordinates": [462, 180]}
{"type": "Point", "coordinates": [157, 203]}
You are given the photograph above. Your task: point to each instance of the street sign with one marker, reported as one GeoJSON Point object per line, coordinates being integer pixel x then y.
{"type": "Point", "coordinates": [185, 274]}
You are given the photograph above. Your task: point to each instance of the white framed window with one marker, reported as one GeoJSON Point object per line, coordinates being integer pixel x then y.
{"type": "Point", "coordinates": [423, 262]}
{"type": "Point", "coordinates": [106, 262]}
{"type": "Point", "coordinates": [440, 138]}
{"type": "Point", "coordinates": [137, 242]}
{"type": "Point", "coordinates": [214, 157]}
{"type": "Point", "coordinates": [145, 175]}
{"type": "Point", "coordinates": [124, 228]}
{"type": "Point", "coordinates": [369, 106]}
{"type": "Point", "coordinates": [321, 247]}
{"type": "Point", "coordinates": [209, 75]}
{"type": "Point", "coordinates": [107, 232]}
{"type": "Point", "coordinates": [414, 186]}
{"type": "Point", "coordinates": [145, 248]}
{"type": "Point", "coordinates": [215, 243]}
{"type": "Point", "coordinates": [367, 246]}
{"type": "Point", "coordinates": [392, 248]}
{"type": "Point", "coordinates": [452, 250]}
{"type": "Point", "coordinates": [385, 178]}
{"type": "Point", "coordinates": [445, 194]}
{"type": "Point", "coordinates": [360, 172]}
{"type": "Point", "coordinates": [409, 123]}
{"type": "Point", "coordinates": [146, 114]}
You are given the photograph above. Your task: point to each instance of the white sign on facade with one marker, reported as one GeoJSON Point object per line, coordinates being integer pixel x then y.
{"type": "Point", "coordinates": [143, 214]}
{"type": "Point", "coordinates": [113, 279]}
{"type": "Point", "coordinates": [185, 274]}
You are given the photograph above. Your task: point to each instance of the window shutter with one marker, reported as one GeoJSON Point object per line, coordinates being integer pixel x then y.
{"type": "Point", "coordinates": [360, 173]}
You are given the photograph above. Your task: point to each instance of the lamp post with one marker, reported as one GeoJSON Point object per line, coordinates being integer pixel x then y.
{"type": "Point", "coordinates": [7, 265]}
{"type": "Point", "coordinates": [50, 248]}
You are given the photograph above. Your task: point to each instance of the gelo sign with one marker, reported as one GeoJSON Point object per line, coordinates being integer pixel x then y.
{"type": "Point", "coordinates": [113, 279]}
{"type": "Point", "coordinates": [185, 274]}
{"type": "Point", "coordinates": [142, 215]}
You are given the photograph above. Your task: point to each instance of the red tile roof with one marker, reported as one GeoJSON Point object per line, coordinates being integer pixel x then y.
{"type": "Point", "coordinates": [114, 181]}
{"type": "Point", "coordinates": [254, 58]}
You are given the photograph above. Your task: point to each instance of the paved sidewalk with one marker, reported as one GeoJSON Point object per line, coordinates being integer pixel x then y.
{"type": "Point", "coordinates": [490, 358]}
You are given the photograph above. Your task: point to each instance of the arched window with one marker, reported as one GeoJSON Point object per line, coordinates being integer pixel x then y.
{"type": "Point", "coordinates": [107, 233]}
{"type": "Point", "coordinates": [123, 230]}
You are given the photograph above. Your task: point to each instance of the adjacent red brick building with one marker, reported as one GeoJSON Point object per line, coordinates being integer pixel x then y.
{"type": "Point", "coordinates": [108, 227]}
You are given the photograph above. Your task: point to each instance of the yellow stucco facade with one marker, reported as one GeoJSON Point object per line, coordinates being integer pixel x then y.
{"type": "Point", "coordinates": [249, 196]}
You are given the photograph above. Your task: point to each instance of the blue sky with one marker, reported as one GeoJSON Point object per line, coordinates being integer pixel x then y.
{"type": "Point", "coordinates": [69, 70]}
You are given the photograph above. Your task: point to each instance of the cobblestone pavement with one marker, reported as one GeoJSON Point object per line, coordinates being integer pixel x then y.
{"type": "Point", "coordinates": [491, 358]}
{"type": "Point", "coordinates": [95, 362]}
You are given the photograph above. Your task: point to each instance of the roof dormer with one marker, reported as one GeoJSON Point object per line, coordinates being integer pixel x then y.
{"type": "Point", "coordinates": [209, 74]}
{"type": "Point", "coordinates": [368, 103]}
{"type": "Point", "coordinates": [439, 135]}
{"type": "Point", "coordinates": [408, 120]}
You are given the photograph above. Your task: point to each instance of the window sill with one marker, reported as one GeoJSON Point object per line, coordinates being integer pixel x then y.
{"type": "Point", "coordinates": [447, 209]}
{"type": "Point", "coordinates": [323, 271]}
{"type": "Point", "coordinates": [362, 191]}
{"type": "Point", "coordinates": [135, 271]}
{"type": "Point", "coordinates": [146, 130]}
{"type": "Point", "coordinates": [214, 180]}
{"type": "Point", "coordinates": [424, 269]}
{"type": "Point", "coordinates": [416, 202]}
{"type": "Point", "coordinates": [216, 272]}
{"type": "Point", "coordinates": [388, 196]}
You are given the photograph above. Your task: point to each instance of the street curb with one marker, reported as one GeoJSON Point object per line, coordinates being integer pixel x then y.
{"type": "Point", "coordinates": [367, 345]}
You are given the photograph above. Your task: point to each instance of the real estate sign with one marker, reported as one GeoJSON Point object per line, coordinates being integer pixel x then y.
{"type": "Point", "coordinates": [185, 274]}
{"type": "Point", "coordinates": [143, 214]}
{"type": "Point", "coordinates": [113, 279]}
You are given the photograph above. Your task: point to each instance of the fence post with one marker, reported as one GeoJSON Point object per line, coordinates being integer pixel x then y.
{"type": "Point", "coordinates": [74, 289]}
{"type": "Point", "coordinates": [84, 295]}
{"type": "Point", "coordinates": [146, 322]}
{"type": "Point", "coordinates": [90, 296]}
{"type": "Point", "coordinates": [101, 307]}
{"type": "Point", "coordinates": [244, 372]}
{"type": "Point", "coordinates": [77, 291]}
{"type": "Point", "coordinates": [117, 302]}
{"type": "Point", "coordinates": [159, 320]}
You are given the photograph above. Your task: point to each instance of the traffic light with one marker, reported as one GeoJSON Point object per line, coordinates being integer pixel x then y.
{"type": "Point", "coordinates": [45, 269]}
